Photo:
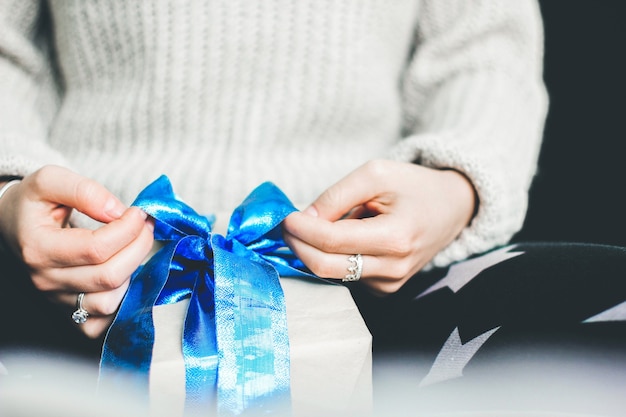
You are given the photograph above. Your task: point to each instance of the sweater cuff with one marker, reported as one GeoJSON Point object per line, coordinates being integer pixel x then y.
{"type": "Point", "coordinates": [501, 210]}
{"type": "Point", "coordinates": [21, 155]}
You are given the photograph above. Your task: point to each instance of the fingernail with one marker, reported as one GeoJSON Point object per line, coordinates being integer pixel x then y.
{"type": "Point", "coordinates": [112, 209]}
{"type": "Point", "coordinates": [311, 211]}
{"type": "Point", "coordinates": [144, 215]}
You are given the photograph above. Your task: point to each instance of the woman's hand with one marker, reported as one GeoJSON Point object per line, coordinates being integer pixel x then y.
{"type": "Point", "coordinates": [64, 261]}
{"type": "Point", "coordinates": [397, 215]}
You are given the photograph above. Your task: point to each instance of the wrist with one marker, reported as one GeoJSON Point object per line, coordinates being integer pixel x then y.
{"type": "Point", "coordinates": [467, 195]}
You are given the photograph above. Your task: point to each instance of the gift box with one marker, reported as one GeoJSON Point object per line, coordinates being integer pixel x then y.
{"type": "Point", "coordinates": [234, 323]}
{"type": "Point", "coordinates": [331, 362]}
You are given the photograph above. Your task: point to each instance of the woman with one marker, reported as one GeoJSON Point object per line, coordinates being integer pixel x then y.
{"type": "Point", "coordinates": [416, 111]}
{"type": "Point", "coordinates": [407, 130]}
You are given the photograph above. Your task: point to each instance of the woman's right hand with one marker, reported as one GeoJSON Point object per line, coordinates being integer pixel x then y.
{"type": "Point", "coordinates": [65, 261]}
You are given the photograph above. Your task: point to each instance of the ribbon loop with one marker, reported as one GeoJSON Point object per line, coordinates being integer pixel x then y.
{"type": "Point", "coordinates": [260, 213]}
{"type": "Point", "coordinates": [173, 218]}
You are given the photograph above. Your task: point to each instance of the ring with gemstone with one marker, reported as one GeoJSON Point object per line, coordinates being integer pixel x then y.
{"type": "Point", "coordinates": [80, 315]}
{"type": "Point", "coordinates": [355, 269]}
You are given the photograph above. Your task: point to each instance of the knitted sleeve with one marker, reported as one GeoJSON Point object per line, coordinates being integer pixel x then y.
{"type": "Point", "coordinates": [475, 102]}
{"type": "Point", "coordinates": [28, 90]}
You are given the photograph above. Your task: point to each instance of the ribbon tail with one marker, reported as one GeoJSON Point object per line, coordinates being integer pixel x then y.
{"type": "Point", "coordinates": [127, 349]}
{"type": "Point", "coordinates": [252, 338]}
{"type": "Point", "coordinates": [200, 350]}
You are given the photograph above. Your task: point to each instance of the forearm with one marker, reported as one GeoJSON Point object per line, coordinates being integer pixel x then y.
{"type": "Point", "coordinates": [476, 103]}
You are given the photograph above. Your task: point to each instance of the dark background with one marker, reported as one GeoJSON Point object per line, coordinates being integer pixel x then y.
{"type": "Point", "coordinates": [579, 192]}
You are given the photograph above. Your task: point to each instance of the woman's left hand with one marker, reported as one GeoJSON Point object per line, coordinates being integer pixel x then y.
{"type": "Point", "coordinates": [397, 215]}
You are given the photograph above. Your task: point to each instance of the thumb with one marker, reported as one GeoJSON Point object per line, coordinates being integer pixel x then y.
{"type": "Point", "coordinates": [62, 186]}
{"type": "Point", "coordinates": [354, 190]}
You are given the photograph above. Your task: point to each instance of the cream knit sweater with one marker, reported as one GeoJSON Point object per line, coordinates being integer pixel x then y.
{"type": "Point", "coordinates": [223, 95]}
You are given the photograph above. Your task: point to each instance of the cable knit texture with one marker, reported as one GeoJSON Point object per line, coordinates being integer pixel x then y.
{"type": "Point", "coordinates": [223, 95]}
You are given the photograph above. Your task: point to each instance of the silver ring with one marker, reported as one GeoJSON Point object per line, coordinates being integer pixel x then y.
{"type": "Point", "coordinates": [355, 269]}
{"type": "Point", "coordinates": [80, 315]}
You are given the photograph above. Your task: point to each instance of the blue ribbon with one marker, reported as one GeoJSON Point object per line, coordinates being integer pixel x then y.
{"type": "Point", "coordinates": [235, 341]}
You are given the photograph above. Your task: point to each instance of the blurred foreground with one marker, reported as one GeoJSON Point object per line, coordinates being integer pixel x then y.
{"type": "Point", "coordinates": [33, 384]}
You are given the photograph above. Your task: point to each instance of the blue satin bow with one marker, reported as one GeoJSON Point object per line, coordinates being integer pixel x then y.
{"type": "Point", "coordinates": [235, 340]}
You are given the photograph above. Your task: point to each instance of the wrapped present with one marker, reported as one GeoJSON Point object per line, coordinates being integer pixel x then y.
{"type": "Point", "coordinates": [209, 326]}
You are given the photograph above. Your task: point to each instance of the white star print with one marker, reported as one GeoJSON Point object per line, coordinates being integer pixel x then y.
{"type": "Point", "coordinates": [615, 313]}
{"type": "Point", "coordinates": [461, 273]}
{"type": "Point", "coordinates": [453, 357]}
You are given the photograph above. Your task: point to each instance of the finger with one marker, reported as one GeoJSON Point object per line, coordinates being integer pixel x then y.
{"type": "Point", "coordinates": [333, 265]}
{"type": "Point", "coordinates": [104, 303]}
{"type": "Point", "coordinates": [372, 236]}
{"type": "Point", "coordinates": [101, 308]}
{"type": "Point", "coordinates": [64, 187]}
{"type": "Point", "coordinates": [67, 247]}
{"type": "Point", "coordinates": [95, 327]}
{"type": "Point", "coordinates": [102, 277]}
{"type": "Point", "coordinates": [384, 286]}
{"type": "Point", "coordinates": [355, 189]}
